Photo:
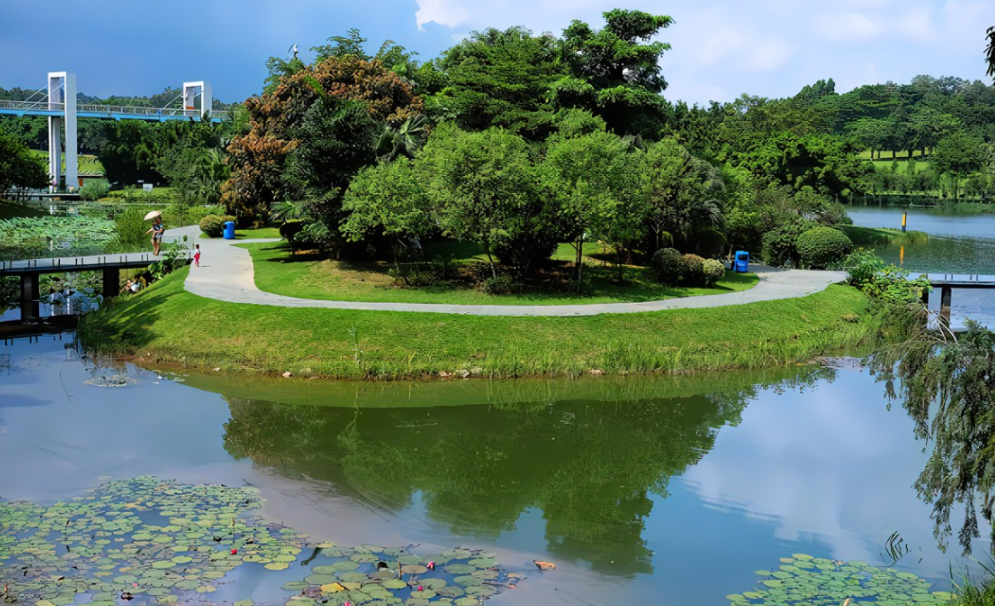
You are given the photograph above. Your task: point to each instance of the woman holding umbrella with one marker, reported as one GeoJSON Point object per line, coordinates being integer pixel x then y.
{"type": "Point", "coordinates": [156, 230]}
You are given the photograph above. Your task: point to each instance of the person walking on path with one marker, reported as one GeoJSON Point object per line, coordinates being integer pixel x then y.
{"type": "Point", "coordinates": [156, 230]}
{"type": "Point", "coordinates": [196, 255]}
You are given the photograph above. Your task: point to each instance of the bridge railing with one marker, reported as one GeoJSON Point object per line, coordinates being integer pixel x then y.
{"type": "Point", "coordinates": [91, 108]}
{"type": "Point", "coordinates": [86, 263]}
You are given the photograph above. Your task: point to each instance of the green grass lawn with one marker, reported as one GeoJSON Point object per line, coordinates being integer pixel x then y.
{"type": "Point", "coordinates": [169, 325]}
{"type": "Point", "coordinates": [87, 163]}
{"type": "Point", "coordinates": [920, 165]}
{"type": "Point", "coordinates": [249, 234]}
{"type": "Point", "coordinates": [886, 155]}
{"type": "Point", "coordinates": [882, 236]}
{"type": "Point", "coordinates": [277, 271]}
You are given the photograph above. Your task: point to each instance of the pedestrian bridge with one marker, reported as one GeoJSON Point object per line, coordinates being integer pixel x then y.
{"type": "Point", "coordinates": [57, 101]}
{"type": "Point", "coordinates": [107, 112]}
{"type": "Point", "coordinates": [110, 265]}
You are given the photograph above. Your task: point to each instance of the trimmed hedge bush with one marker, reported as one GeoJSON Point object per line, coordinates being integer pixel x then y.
{"type": "Point", "coordinates": [214, 225]}
{"type": "Point", "coordinates": [713, 271]}
{"type": "Point", "coordinates": [667, 263]}
{"type": "Point", "coordinates": [692, 270]}
{"type": "Point", "coordinates": [780, 245]}
{"type": "Point", "coordinates": [711, 242]}
{"type": "Point", "coordinates": [822, 247]}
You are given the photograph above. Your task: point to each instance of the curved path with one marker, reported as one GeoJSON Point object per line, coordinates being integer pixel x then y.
{"type": "Point", "coordinates": [226, 274]}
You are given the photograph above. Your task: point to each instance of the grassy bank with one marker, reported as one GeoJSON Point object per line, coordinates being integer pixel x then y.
{"type": "Point", "coordinates": [277, 271]}
{"type": "Point", "coordinates": [167, 324]}
{"type": "Point", "coordinates": [882, 236]}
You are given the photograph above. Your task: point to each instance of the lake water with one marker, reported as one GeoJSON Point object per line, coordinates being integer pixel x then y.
{"type": "Point", "coordinates": [958, 244]}
{"type": "Point", "coordinates": [642, 490]}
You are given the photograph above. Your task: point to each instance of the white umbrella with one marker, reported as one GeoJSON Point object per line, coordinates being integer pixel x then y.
{"type": "Point", "coordinates": [152, 215]}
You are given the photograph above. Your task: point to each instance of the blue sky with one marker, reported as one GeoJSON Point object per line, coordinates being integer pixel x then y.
{"type": "Point", "coordinates": [721, 48]}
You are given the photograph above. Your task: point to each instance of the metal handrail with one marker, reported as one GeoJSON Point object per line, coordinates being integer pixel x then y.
{"type": "Point", "coordinates": [82, 263]}
{"type": "Point", "coordinates": [110, 109]}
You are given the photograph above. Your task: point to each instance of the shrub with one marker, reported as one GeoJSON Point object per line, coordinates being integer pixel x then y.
{"type": "Point", "coordinates": [130, 229]}
{"type": "Point", "coordinates": [212, 225]}
{"type": "Point", "coordinates": [779, 245]}
{"type": "Point", "coordinates": [822, 247]}
{"type": "Point", "coordinates": [861, 267]}
{"type": "Point", "coordinates": [501, 285]}
{"type": "Point", "coordinates": [713, 271]}
{"type": "Point", "coordinates": [667, 264]}
{"type": "Point", "coordinates": [692, 270]}
{"type": "Point", "coordinates": [711, 242]}
{"type": "Point", "coordinates": [94, 190]}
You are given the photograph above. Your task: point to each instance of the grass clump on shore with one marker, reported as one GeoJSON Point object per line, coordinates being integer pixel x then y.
{"type": "Point", "coordinates": [882, 236]}
{"type": "Point", "coordinates": [168, 324]}
{"type": "Point", "coordinates": [302, 276]}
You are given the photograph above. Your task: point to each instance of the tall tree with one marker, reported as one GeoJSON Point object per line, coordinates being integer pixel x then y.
{"type": "Point", "coordinates": [501, 78]}
{"type": "Point", "coordinates": [18, 166]}
{"type": "Point", "coordinates": [591, 177]}
{"type": "Point", "coordinates": [310, 109]}
{"type": "Point", "coordinates": [615, 71]}
{"type": "Point", "coordinates": [480, 182]}
{"type": "Point", "coordinates": [388, 200]}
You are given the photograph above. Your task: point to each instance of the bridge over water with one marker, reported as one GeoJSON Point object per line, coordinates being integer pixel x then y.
{"type": "Point", "coordinates": [29, 270]}
{"type": "Point", "coordinates": [58, 103]}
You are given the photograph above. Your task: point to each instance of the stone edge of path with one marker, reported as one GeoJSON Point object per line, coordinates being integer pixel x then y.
{"type": "Point", "coordinates": [227, 275]}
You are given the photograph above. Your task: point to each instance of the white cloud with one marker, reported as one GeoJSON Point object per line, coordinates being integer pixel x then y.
{"type": "Point", "coordinates": [844, 27]}
{"type": "Point", "coordinates": [917, 24]}
{"type": "Point", "coordinates": [443, 12]}
{"type": "Point", "coordinates": [719, 46]}
{"type": "Point", "coordinates": [767, 55]}
{"type": "Point", "coordinates": [770, 48]}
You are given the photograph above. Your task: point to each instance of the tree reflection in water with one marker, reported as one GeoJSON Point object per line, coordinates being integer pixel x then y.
{"type": "Point", "coordinates": [591, 463]}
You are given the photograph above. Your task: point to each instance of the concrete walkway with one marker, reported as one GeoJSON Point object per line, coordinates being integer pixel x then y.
{"type": "Point", "coordinates": [226, 274]}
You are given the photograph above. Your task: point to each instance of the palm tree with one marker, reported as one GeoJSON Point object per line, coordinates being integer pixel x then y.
{"type": "Point", "coordinates": [405, 139]}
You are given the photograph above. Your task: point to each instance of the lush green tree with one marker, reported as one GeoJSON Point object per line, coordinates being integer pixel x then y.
{"type": "Point", "coordinates": [615, 71]}
{"type": "Point", "coordinates": [314, 110]}
{"type": "Point", "coordinates": [825, 163]}
{"type": "Point", "coordinates": [129, 155]}
{"type": "Point", "coordinates": [990, 51]}
{"type": "Point", "coordinates": [681, 192]}
{"type": "Point", "coordinates": [480, 184]}
{"type": "Point", "coordinates": [592, 176]}
{"type": "Point", "coordinates": [388, 200]}
{"type": "Point", "coordinates": [946, 383]}
{"type": "Point", "coordinates": [403, 140]}
{"type": "Point", "coordinates": [339, 47]}
{"type": "Point", "coordinates": [501, 78]}
{"type": "Point", "coordinates": [19, 168]}
{"type": "Point", "coordinates": [958, 155]}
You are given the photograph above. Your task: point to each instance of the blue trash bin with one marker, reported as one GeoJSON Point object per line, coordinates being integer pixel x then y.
{"type": "Point", "coordinates": [741, 264]}
{"type": "Point", "coordinates": [229, 230]}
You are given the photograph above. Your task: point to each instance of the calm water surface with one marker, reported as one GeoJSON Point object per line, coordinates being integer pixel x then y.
{"type": "Point", "coordinates": [642, 490]}
{"type": "Point", "coordinates": [958, 244]}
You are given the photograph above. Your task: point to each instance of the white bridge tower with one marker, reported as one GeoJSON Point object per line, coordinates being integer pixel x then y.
{"type": "Point", "coordinates": [62, 98]}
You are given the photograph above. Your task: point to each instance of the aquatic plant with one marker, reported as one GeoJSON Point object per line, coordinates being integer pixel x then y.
{"type": "Point", "coordinates": [161, 542]}
{"type": "Point", "coordinates": [22, 237]}
{"type": "Point", "coordinates": [804, 580]}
